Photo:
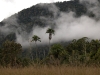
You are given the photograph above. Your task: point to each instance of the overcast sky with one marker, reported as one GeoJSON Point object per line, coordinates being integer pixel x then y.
{"type": "Point", "coordinates": [9, 7]}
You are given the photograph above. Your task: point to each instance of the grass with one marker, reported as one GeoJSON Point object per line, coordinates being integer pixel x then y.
{"type": "Point", "coordinates": [44, 70]}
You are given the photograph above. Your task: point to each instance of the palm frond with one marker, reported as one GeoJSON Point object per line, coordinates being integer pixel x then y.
{"type": "Point", "coordinates": [36, 38]}
{"type": "Point", "coordinates": [49, 30]}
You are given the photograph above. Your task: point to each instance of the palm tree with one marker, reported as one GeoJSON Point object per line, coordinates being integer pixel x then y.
{"type": "Point", "coordinates": [50, 31]}
{"type": "Point", "coordinates": [30, 50]}
{"type": "Point", "coordinates": [35, 38]}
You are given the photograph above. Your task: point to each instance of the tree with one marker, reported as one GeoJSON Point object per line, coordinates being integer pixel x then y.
{"type": "Point", "coordinates": [96, 58]}
{"type": "Point", "coordinates": [35, 38]}
{"type": "Point", "coordinates": [59, 53]}
{"type": "Point", "coordinates": [84, 42]}
{"type": "Point", "coordinates": [9, 53]}
{"type": "Point", "coordinates": [95, 45]}
{"type": "Point", "coordinates": [50, 31]}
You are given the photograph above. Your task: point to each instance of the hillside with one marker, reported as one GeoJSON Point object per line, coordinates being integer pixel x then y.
{"type": "Point", "coordinates": [38, 15]}
{"type": "Point", "coordinates": [21, 26]}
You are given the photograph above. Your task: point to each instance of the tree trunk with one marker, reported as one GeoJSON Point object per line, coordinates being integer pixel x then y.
{"type": "Point", "coordinates": [31, 52]}
{"type": "Point", "coordinates": [15, 64]}
{"type": "Point", "coordinates": [85, 52]}
{"type": "Point", "coordinates": [44, 53]}
{"type": "Point", "coordinates": [50, 37]}
{"type": "Point", "coordinates": [36, 51]}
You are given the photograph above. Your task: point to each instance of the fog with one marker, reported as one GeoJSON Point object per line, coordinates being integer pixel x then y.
{"type": "Point", "coordinates": [67, 26]}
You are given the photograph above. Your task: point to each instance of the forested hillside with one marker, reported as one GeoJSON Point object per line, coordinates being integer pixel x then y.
{"type": "Point", "coordinates": [20, 27]}
{"type": "Point", "coordinates": [37, 15]}
{"type": "Point", "coordinates": [32, 16]}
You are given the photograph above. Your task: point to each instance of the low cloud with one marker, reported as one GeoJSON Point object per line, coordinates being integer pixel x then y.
{"type": "Point", "coordinates": [67, 27]}
{"type": "Point", "coordinates": [70, 27]}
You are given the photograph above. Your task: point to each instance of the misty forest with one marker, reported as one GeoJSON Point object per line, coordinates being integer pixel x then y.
{"type": "Point", "coordinates": [61, 33]}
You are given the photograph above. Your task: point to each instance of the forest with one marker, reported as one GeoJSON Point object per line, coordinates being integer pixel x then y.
{"type": "Point", "coordinates": [83, 51]}
{"type": "Point", "coordinates": [77, 52]}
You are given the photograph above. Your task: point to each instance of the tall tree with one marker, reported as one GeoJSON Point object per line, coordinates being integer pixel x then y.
{"type": "Point", "coordinates": [95, 45]}
{"type": "Point", "coordinates": [30, 50]}
{"type": "Point", "coordinates": [9, 53]}
{"type": "Point", "coordinates": [59, 54]}
{"type": "Point", "coordinates": [50, 31]}
{"type": "Point", "coordinates": [84, 42]}
{"type": "Point", "coordinates": [35, 38]}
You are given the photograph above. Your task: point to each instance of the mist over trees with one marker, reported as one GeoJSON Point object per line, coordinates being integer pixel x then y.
{"type": "Point", "coordinates": [78, 47]}
{"type": "Point", "coordinates": [25, 22]}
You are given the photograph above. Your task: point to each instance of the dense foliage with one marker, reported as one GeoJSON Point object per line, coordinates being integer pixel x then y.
{"type": "Point", "coordinates": [77, 52]}
{"type": "Point", "coordinates": [9, 52]}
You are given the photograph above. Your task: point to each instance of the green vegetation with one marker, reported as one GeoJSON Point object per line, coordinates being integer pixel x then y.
{"type": "Point", "coordinates": [83, 51]}
{"type": "Point", "coordinates": [36, 38]}
{"type": "Point", "coordinates": [9, 53]}
{"type": "Point", "coordinates": [75, 57]}
{"type": "Point", "coordinates": [34, 16]}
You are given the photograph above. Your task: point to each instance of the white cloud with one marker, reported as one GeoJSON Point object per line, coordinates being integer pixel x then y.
{"type": "Point", "coordinates": [9, 7]}
{"type": "Point", "coordinates": [68, 27]}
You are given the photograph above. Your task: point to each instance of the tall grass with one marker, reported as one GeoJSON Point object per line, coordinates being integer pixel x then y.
{"type": "Point", "coordinates": [44, 70]}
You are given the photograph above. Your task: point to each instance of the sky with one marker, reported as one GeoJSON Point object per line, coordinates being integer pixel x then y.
{"type": "Point", "coordinates": [10, 7]}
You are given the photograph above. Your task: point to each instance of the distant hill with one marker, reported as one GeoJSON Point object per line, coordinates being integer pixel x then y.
{"type": "Point", "coordinates": [36, 15]}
